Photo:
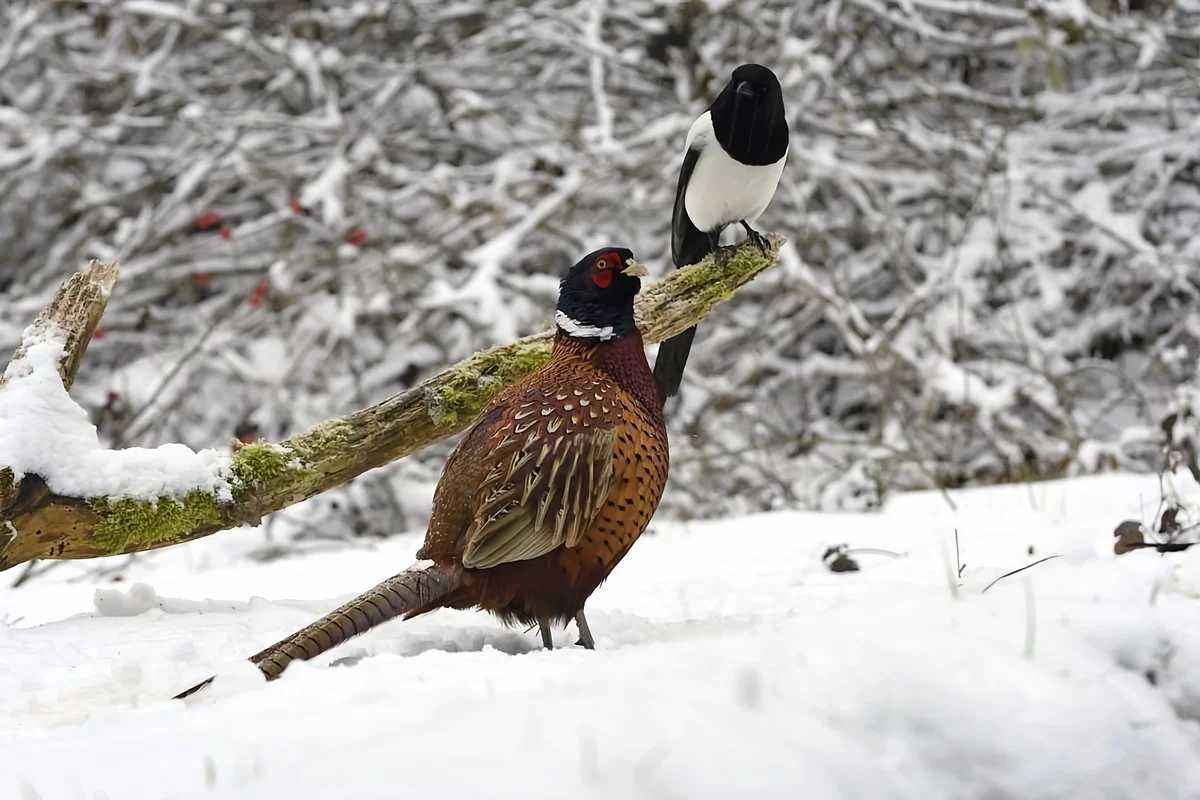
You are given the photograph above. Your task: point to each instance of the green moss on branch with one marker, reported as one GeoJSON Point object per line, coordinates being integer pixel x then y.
{"type": "Point", "coordinates": [255, 464]}
{"type": "Point", "coordinates": [682, 298]}
{"type": "Point", "coordinates": [481, 377]}
{"type": "Point", "coordinates": [128, 524]}
{"type": "Point", "coordinates": [712, 284]}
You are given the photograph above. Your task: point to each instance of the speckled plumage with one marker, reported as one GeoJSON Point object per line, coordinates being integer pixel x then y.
{"type": "Point", "coordinates": [546, 491]}
{"type": "Point", "coordinates": [599, 400]}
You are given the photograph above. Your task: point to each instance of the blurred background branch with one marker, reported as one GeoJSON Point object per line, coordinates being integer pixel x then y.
{"type": "Point", "coordinates": [992, 272]}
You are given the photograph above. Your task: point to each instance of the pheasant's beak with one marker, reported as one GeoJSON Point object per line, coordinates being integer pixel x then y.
{"type": "Point", "coordinates": [635, 269]}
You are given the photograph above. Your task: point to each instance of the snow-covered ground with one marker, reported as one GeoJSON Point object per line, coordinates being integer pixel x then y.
{"type": "Point", "coordinates": [729, 660]}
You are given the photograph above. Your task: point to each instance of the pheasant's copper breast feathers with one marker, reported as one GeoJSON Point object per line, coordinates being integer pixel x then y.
{"type": "Point", "coordinates": [552, 468]}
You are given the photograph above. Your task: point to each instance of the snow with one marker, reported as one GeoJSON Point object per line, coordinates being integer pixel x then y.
{"type": "Point", "coordinates": [44, 432]}
{"type": "Point", "coordinates": [490, 259]}
{"type": "Point", "coordinates": [729, 659]}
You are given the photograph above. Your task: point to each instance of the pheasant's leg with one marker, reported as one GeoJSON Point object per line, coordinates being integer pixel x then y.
{"type": "Point", "coordinates": [547, 639]}
{"type": "Point", "coordinates": [585, 633]}
{"type": "Point", "coordinates": [756, 237]}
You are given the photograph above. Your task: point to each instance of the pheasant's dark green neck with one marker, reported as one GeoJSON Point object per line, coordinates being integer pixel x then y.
{"type": "Point", "coordinates": [623, 359]}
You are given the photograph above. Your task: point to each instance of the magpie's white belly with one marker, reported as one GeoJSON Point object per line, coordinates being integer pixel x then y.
{"type": "Point", "coordinates": [723, 190]}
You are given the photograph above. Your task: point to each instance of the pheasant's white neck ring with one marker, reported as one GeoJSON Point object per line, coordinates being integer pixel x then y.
{"type": "Point", "coordinates": [581, 331]}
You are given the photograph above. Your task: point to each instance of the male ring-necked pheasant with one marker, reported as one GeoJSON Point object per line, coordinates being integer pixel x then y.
{"type": "Point", "coordinates": [546, 491]}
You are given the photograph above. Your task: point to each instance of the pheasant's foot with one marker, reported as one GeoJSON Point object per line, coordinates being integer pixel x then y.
{"type": "Point", "coordinates": [585, 633]}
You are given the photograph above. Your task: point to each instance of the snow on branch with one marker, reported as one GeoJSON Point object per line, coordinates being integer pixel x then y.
{"type": "Point", "coordinates": [66, 497]}
{"type": "Point", "coordinates": [61, 331]}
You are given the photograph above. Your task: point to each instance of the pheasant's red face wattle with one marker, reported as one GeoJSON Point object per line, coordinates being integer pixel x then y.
{"type": "Point", "coordinates": [602, 269]}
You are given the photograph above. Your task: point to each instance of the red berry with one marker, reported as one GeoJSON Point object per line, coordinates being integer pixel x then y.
{"type": "Point", "coordinates": [98, 334]}
{"type": "Point", "coordinates": [259, 293]}
{"type": "Point", "coordinates": [225, 232]}
{"type": "Point", "coordinates": [296, 206]}
{"type": "Point", "coordinates": [356, 236]}
{"type": "Point", "coordinates": [200, 278]}
{"type": "Point", "coordinates": [247, 438]}
{"type": "Point", "coordinates": [207, 221]}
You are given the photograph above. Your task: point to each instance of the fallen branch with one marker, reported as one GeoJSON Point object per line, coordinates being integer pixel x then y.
{"type": "Point", "coordinates": [39, 520]}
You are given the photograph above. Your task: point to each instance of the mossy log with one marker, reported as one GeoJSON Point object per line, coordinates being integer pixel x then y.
{"type": "Point", "coordinates": [36, 523]}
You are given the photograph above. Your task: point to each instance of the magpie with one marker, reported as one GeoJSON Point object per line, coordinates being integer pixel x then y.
{"type": "Point", "coordinates": [733, 157]}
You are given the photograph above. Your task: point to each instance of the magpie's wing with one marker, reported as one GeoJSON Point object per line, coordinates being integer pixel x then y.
{"type": "Point", "coordinates": [685, 235]}
{"type": "Point", "coordinates": [688, 245]}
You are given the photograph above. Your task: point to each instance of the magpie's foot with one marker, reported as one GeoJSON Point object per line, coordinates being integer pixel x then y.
{"type": "Point", "coordinates": [723, 253]}
{"type": "Point", "coordinates": [757, 238]}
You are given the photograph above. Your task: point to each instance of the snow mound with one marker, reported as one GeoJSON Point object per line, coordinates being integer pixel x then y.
{"type": "Point", "coordinates": [139, 599]}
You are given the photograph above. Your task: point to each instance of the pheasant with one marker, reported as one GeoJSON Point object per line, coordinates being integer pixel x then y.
{"type": "Point", "coordinates": [546, 491]}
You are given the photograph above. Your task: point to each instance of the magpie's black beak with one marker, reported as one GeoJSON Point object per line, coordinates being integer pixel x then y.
{"type": "Point", "coordinates": [743, 100]}
{"type": "Point", "coordinates": [744, 107]}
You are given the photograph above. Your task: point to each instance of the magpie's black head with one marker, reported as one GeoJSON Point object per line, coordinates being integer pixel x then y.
{"type": "Point", "coordinates": [595, 296]}
{"type": "Point", "coordinates": [748, 117]}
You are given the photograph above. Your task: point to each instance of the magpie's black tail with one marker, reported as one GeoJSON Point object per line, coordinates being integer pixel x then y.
{"type": "Point", "coordinates": [672, 358]}
{"type": "Point", "coordinates": [688, 245]}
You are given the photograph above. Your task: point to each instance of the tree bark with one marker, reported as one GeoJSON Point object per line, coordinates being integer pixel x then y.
{"type": "Point", "coordinates": [36, 523]}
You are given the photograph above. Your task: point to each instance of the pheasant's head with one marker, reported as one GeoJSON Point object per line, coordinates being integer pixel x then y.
{"type": "Point", "coordinates": [595, 298]}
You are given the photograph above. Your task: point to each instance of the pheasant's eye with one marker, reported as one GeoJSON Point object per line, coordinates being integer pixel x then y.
{"type": "Point", "coordinates": [601, 272]}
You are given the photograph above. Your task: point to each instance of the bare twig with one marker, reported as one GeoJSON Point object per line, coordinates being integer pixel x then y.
{"type": "Point", "coordinates": [1015, 571]}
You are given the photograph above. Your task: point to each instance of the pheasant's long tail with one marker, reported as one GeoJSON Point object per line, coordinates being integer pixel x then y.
{"type": "Point", "coordinates": [399, 595]}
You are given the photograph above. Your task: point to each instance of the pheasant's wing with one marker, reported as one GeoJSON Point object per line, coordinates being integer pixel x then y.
{"type": "Point", "coordinates": [551, 459]}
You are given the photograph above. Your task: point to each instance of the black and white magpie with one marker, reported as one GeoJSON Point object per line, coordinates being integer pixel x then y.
{"type": "Point", "coordinates": [733, 157]}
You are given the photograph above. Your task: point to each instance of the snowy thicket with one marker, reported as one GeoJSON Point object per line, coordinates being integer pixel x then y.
{"type": "Point", "coordinates": [993, 270]}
